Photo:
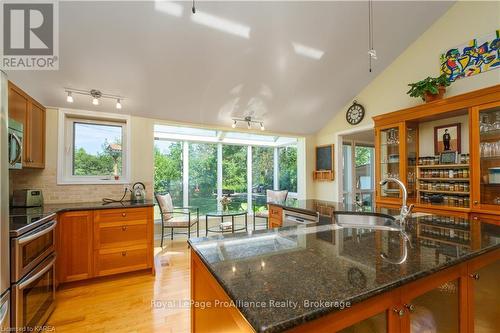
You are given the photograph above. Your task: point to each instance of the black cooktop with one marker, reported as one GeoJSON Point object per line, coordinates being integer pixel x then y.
{"type": "Point", "coordinates": [22, 220]}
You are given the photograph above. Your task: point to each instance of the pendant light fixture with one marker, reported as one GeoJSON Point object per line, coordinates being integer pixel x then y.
{"type": "Point", "coordinates": [249, 121]}
{"type": "Point", "coordinates": [372, 53]}
{"type": "Point", "coordinates": [96, 95]}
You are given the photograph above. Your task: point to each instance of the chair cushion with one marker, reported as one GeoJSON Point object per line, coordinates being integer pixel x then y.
{"type": "Point", "coordinates": [276, 196]}
{"type": "Point", "coordinates": [262, 213]}
{"type": "Point", "coordinates": [179, 221]}
{"type": "Point", "coordinates": [166, 205]}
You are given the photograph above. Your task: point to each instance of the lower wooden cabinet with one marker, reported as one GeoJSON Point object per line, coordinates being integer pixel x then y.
{"type": "Point", "coordinates": [104, 242]}
{"type": "Point", "coordinates": [74, 246]}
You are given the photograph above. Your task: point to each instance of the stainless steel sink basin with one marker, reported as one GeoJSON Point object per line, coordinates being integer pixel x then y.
{"type": "Point", "coordinates": [367, 221]}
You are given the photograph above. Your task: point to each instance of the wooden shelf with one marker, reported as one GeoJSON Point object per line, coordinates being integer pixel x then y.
{"type": "Point", "coordinates": [442, 179]}
{"type": "Point", "coordinates": [438, 225]}
{"type": "Point", "coordinates": [323, 175]}
{"type": "Point", "coordinates": [444, 192]}
{"type": "Point", "coordinates": [439, 240]}
{"type": "Point", "coordinates": [443, 207]}
{"type": "Point", "coordinates": [443, 166]}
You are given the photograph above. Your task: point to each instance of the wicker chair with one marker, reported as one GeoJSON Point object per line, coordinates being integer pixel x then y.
{"type": "Point", "coordinates": [270, 196]}
{"type": "Point", "coordinates": [177, 217]}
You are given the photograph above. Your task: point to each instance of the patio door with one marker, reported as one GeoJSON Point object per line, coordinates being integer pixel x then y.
{"type": "Point", "coordinates": [358, 173]}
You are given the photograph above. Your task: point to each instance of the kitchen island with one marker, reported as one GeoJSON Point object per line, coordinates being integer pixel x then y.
{"type": "Point", "coordinates": [324, 277]}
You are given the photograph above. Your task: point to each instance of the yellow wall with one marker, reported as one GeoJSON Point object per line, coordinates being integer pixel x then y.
{"type": "Point", "coordinates": [387, 92]}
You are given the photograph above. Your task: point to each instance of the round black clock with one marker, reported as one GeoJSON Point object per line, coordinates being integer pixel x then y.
{"type": "Point", "coordinates": [355, 113]}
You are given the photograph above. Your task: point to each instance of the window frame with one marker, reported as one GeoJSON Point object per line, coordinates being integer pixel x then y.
{"type": "Point", "coordinates": [65, 147]}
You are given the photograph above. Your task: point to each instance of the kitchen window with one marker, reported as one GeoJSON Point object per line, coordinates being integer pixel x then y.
{"type": "Point", "coordinates": [93, 148]}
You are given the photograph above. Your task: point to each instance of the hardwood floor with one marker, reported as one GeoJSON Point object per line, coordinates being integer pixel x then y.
{"type": "Point", "coordinates": [123, 303]}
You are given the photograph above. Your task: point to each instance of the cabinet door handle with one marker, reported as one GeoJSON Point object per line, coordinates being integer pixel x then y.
{"type": "Point", "coordinates": [476, 202]}
{"type": "Point", "coordinates": [410, 307]}
{"type": "Point", "coordinates": [124, 253]}
{"type": "Point", "coordinates": [474, 276]}
{"type": "Point", "coordinates": [124, 228]}
{"type": "Point", "coordinates": [124, 214]}
{"type": "Point", "coordinates": [399, 312]}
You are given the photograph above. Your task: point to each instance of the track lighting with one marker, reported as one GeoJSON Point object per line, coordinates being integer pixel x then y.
{"type": "Point", "coordinates": [95, 94]}
{"type": "Point", "coordinates": [249, 121]}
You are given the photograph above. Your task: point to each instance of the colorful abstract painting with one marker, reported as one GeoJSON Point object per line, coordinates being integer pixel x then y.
{"type": "Point", "coordinates": [477, 56]}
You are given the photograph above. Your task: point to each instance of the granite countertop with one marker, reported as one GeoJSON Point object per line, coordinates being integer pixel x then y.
{"type": "Point", "coordinates": [321, 207]}
{"type": "Point", "coordinates": [300, 268]}
{"type": "Point", "coordinates": [65, 207]}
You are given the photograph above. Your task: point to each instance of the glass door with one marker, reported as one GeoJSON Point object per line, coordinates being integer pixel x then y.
{"type": "Point", "coordinates": [411, 159]}
{"type": "Point", "coordinates": [389, 145]}
{"type": "Point", "coordinates": [358, 173]}
{"type": "Point", "coordinates": [486, 166]}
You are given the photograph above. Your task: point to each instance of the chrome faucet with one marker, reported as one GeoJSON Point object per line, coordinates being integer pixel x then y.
{"type": "Point", "coordinates": [405, 210]}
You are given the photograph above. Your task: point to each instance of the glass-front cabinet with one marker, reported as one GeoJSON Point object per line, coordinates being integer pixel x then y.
{"type": "Point", "coordinates": [486, 156]}
{"type": "Point", "coordinates": [395, 144]}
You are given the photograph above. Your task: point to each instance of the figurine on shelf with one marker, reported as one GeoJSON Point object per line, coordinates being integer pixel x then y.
{"type": "Point", "coordinates": [225, 201]}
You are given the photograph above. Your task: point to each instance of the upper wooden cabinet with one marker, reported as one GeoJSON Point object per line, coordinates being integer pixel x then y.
{"type": "Point", "coordinates": [472, 183]}
{"type": "Point", "coordinates": [31, 114]}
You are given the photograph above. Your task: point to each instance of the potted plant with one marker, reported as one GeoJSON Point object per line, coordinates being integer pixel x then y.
{"type": "Point", "coordinates": [429, 89]}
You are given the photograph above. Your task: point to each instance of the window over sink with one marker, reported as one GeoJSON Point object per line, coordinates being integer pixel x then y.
{"type": "Point", "coordinates": [93, 148]}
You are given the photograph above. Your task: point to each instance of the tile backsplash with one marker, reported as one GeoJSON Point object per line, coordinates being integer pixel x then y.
{"type": "Point", "coordinates": [46, 180]}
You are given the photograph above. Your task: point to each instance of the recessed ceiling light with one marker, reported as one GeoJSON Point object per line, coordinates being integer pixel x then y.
{"type": "Point", "coordinates": [221, 24]}
{"type": "Point", "coordinates": [307, 51]}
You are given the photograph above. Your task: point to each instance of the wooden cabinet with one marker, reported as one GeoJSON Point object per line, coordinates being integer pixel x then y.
{"type": "Point", "coordinates": [275, 216]}
{"type": "Point", "coordinates": [74, 246]}
{"type": "Point", "coordinates": [485, 156]}
{"type": "Point", "coordinates": [31, 114]}
{"type": "Point", "coordinates": [397, 153]}
{"type": "Point", "coordinates": [104, 242]}
{"type": "Point", "coordinates": [123, 240]}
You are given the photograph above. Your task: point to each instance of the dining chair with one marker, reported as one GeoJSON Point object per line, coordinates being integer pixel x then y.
{"type": "Point", "coordinates": [176, 217]}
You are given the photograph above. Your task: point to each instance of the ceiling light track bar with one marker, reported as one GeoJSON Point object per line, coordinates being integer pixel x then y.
{"type": "Point", "coordinates": [89, 93]}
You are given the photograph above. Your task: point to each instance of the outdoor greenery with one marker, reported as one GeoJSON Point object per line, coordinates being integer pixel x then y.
{"type": "Point", "coordinates": [101, 164]}
{"type": "Point", "coordinates": [203, 173]}
{"type": "Point", "coordinates": [288, 168]}
{"type": "Point", "coordinates": [363, 155]}
{"type": "Point", "coordinates": [168, 170]}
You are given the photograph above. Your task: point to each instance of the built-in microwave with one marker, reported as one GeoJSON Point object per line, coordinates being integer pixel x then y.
{"type": "Point", "coordinates": [15, 144]}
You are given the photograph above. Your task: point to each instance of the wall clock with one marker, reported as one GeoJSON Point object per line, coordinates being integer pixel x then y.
{"type": "Point", "coordinates": [355, 113]}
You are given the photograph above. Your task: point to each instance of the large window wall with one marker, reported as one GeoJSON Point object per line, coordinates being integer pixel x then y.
{"type": "Point", "coordinates": [198, 170]}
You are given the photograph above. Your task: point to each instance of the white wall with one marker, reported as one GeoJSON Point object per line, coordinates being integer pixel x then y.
{"type": "Point", "coordinates": [387, 92]}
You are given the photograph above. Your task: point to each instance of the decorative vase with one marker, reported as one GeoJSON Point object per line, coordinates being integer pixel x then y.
{"type": "Point", "coordinates": [428, 97]}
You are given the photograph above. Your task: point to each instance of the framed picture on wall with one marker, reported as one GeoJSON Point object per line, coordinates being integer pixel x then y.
{"type": "Point", "coordinates": [447, 138]}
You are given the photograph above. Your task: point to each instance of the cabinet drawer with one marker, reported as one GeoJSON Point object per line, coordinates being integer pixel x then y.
{"type": "Point", "coordinates": [275, 212]}
{"type": "Point", "coordinates": [120, 234]}
{"type": "Point", "coordinates": [125, 214]}
{"type": "Point", "coordinates": [120, 260]}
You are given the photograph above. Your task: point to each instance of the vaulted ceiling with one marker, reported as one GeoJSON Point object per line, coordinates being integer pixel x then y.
{"type": "Point", "coordinates": [293, 64]}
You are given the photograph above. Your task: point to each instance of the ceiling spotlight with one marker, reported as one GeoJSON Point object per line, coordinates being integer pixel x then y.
{"type": "Point", "coordinates": [96, 94]}
{"type": "Point", "coordinates": [249, 121]}
{"type": "Point", "coordinates": [262, 128]}
{"type": "Point", "coordinates": [118, 104]}
{"type": "Point", "coordinates": [69, 98]}
{"type": "Point", "coordinates": [249, 125]}
{"type": "Point", "coordinates": [234, 124]}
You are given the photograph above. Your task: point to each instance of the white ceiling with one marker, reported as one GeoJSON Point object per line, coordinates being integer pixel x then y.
{"type": "Point", "coordinates": [173, 68]}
